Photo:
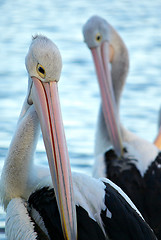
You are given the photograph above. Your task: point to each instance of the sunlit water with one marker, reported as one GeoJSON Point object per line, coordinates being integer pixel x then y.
{"type": "Point", "coordinates": [138, 22]}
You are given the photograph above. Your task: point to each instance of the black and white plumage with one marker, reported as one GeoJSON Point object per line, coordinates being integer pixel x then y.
{"type": "Point", "coordinates": [103, 212]}
{"type": "Point", "coordinates": [33, 210]}
{"type": "Point", "coordinates": [131, 162]}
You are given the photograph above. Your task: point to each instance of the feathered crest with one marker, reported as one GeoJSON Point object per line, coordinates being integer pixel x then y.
{"type": "Point", "coordinates": [37, 35]}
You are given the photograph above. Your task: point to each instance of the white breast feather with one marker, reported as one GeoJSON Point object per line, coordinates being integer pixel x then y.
{"type": "Point", "coordinates": [138, 148]}
{"type": "Point", "coordinates": [18, 223]}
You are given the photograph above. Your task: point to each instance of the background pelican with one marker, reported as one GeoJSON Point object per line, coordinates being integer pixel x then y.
{"type": "Point", "coordinates": [103, 210]}
{"type": "Point", "coordinates": [130, 161]}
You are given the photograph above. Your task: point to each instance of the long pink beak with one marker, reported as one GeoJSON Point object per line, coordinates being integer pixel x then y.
{"type": "Point", "coordinates": [46, 101]}
{"type": "Point", "coordinates": [101, 61]}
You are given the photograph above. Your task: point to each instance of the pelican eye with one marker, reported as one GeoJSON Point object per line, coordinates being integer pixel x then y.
{"type": "Point", "coordinates": [98, 37]}
{"type": "Point", "coordinates": [41, 71]}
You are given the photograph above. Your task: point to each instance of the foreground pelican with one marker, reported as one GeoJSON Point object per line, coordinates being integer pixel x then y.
{"type": "Point", "coordinates": [131, 162]}
{"type": "Point", "coordinates": [103, 210]}
{"type": "Point", "coordinates": [20, 176]}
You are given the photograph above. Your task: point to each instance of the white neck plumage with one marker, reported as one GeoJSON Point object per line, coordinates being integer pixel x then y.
{"type": "Point", "coordinates": [15, 178]}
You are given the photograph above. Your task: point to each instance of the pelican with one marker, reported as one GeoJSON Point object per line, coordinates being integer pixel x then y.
{"type": "Point", "coordinates": [131, 162]}
{"type": "Point", "coordinates": [32, 211]}
{"type": "Point", "coordinates": [20, 176]}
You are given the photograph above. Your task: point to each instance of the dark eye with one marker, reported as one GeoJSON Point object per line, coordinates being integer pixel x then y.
{"type": "Point", "coordinates": [41, 71]}
{"type": "Point", "coordinates": [98, 37]}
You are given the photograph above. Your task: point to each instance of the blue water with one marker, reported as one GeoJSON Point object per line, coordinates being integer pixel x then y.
{"type": "Point", "coordinates": [138, 22]}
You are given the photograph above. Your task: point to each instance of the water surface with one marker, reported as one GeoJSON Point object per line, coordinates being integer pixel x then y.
{"type": "Point", "coordinates": [139, 25]}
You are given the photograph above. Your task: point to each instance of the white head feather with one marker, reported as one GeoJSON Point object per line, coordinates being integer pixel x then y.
{"type": "Point", "coordinates": [43, 51]}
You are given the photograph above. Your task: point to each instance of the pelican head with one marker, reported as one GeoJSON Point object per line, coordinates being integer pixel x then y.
{"type": "Point", "coordinates": [43, 59]}
{"type": "Point", "coordinates": [98, 35]}
{"type": "Point", "coordinates": [96, 31]}
{"type": "Point", "coordinates": [44, 64]}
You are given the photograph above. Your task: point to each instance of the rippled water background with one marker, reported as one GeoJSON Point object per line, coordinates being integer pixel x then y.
{"type": "Point", "coordinates": [138, 22]}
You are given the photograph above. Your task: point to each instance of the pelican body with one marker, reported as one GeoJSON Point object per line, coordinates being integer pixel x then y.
{"type": "Point", "coordinates": [129, 161]}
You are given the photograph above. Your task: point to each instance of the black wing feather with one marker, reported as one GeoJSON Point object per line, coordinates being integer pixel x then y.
{"type": "Point", "coordinates": [123, 172]}
{"type": "Point", "coordinates": [144, 191]}
{"type": "Point", "coordinates": [125, 223]}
